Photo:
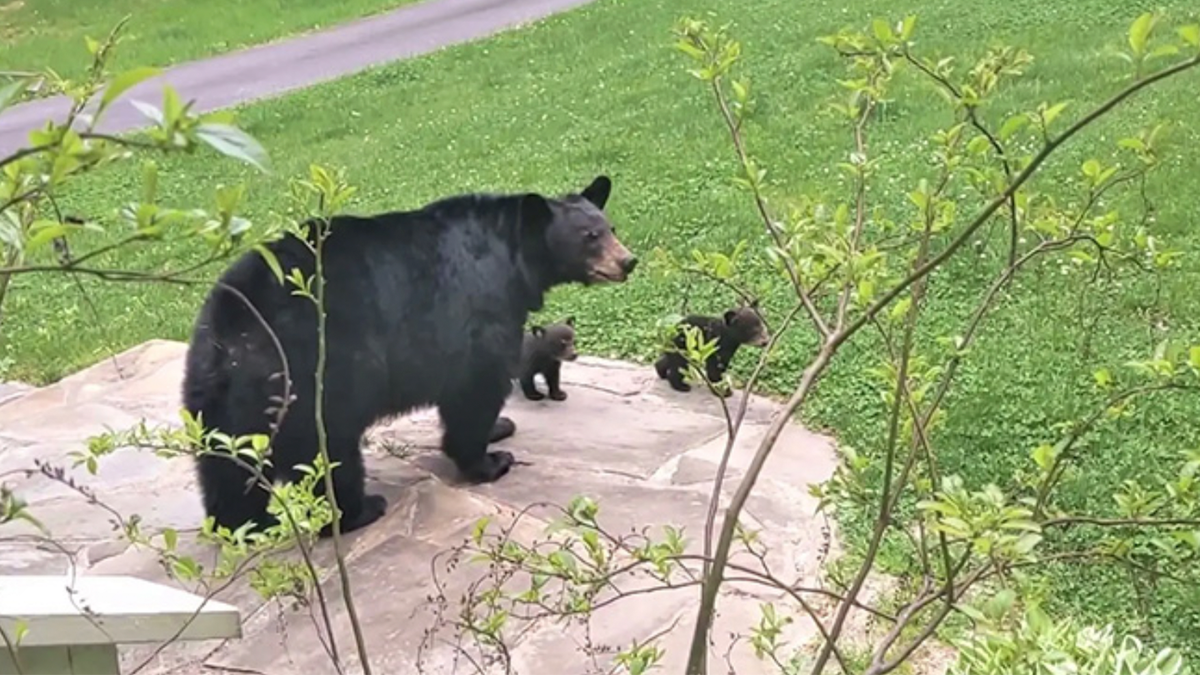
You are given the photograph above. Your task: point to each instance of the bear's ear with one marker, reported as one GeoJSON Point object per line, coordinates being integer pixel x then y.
{"type": "Point", "coordinates": [597, 193]}
{"type": "Point", "coordinates": [570, 321]}
{"type": "Point", "coordinates": [730, 316]}
{"type": "Point", "coordinates": [535, 212]}
{"type": "Point", "coordinates": [537, 331]}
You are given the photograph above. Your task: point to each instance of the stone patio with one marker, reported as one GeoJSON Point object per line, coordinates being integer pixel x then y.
{"type": "Point", "coordinates": [646, 454]}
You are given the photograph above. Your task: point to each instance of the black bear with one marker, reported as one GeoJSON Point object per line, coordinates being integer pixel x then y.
{"type": "Point", "coordinates": [425, 308]}
{"type": "Point", "coordinates": [740, 326]}
{"type": "Point", "coordinates": [542, 352]}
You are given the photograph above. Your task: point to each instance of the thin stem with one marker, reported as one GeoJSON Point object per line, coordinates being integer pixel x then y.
{"type": "Point", "coordinates": [708, 599]}
{"type": "Point", "coordinates": [733, 428]}
{"type": "Point", "coordinates": [285, 402]}
{"type": "Point", "coordinates": [761, 204]}
{"type": "Point", "coordinates": [1067, 521]}
{"type": "Point", "coordinates": [323, 445]}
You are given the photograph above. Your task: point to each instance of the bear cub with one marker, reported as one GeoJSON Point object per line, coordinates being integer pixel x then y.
{"type": "Point", "coordinates": [543, 350]}
{"type": "Point", "coordinates": [737, 327]}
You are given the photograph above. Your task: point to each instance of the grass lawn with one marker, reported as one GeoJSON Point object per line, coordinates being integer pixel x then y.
{"type": "Point", "coordinates": [35, 34]}
{"type": "Point", "coordinates": [601, 89]}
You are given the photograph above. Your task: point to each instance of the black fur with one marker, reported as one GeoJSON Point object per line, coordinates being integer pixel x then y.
{"type": "Point", "coordinates": [542, 352]}
{"type": "Point", "coordinates": [424, 307]}
{"type": "Point", "coordinates": [737, 327]}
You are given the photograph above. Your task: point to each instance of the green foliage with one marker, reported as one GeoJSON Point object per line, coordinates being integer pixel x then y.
{"type": "Point", "coordinates": [1033, 644]}
{"type": "Point", "coordinates": [34, 179]}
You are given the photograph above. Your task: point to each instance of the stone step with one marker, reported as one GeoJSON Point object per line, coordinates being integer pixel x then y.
{"type": "Point", "coordinates": [646, 454]}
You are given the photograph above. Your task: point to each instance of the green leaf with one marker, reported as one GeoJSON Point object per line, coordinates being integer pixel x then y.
{"type": "Point", "coordinates": [480, 528]}
{"type": "Point", "coordinates": [900, 309]}
{"type": "Point", "coordinates": [1043, 456]}
{"type": "Point", "coordinates": [1091, 168]}
{"type": "Point", "coordinates": [20, 630]}
{"type": "Point", "coordinates": [123, 83]}
{"type": "Point", "coordinates": [1053, 111]}
{"type": "Point", "coordinates": [10, 91]}
{"type": "Point", "coordinates": [1012, 125]}
{"type": "Point", "coordinates": [186, 569]}
{"type": "Point", "coordinates": [1027, 542]}
{"type": "Point", "coordinates": [1139, 32]}
{"type": "Point", "coordinates": [883, 32]}
{"type": "Point", "coordinates": [1194, 356]}
{"type": "Point", "coordinates": [1190, 34]}
{"type": "Point", "coordinates": [740, 91]}
{"type": "Point", "coordinates": [978, 144]}
{"type": "Point", "coordinates": [149, 111]}
{"type": "Point", "coordinates": [170, 538]}
{"type": "Point", "coordinates": [233, 142]}
{"type": "Point", "coordinates": [1164, 50]}
{"type": "Point", "coordinates": [45, 231]}
{"type": "Point", "coordinates": [271, 260]}
{"type": "Point", "coordinates": [907, 26]}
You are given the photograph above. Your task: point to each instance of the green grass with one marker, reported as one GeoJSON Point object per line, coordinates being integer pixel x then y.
{"type": "Point", "coordinates": [601, 90]}
{"type": "Point", "coordinates": [39, 34]}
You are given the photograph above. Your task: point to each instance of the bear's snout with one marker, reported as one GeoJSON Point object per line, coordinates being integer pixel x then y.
{"type": "Point", "coordinates": [615, 263]}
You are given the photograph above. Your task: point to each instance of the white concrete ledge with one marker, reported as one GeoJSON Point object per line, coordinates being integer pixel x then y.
{"type": "Point", "coordinates": [72, 621]}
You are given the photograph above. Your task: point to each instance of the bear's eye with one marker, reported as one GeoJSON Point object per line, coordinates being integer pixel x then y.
{"type": "Point", "coordinates": [593, 234]}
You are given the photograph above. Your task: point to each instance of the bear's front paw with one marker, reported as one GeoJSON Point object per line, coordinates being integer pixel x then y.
{"type": "Point", "coordinates": [491, 467]}
{"type": "Point", "coordinates": [559, 395]}
{"type": "Point", "coordinates": [373, 508]}
{"type": "Point", "coordinates": [681, 386]}
{"type": "Point", "coordinates": [534, 395]}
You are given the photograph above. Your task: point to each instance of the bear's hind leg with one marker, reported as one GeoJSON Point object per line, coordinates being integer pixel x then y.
{"type": "Point", "coordinates": [529, 387]}
{"type": "Point", "coordinates": [358, 508]}
{"type": "Point", "coordinates": [470, 419]}
{"type": "Point", "coordinates": [661, 366]}
{"type": "Point", "coordinates": [230, 494]}
{"type": "Point", "coordinates": [675, 368]}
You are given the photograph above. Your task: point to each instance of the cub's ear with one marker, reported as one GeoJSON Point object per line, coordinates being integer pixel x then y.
{"type": "Point", "coordinates": [535, 212]}
{"type": "Point", "coordinates": [597, 193]}
{"type": "Point", "coordinates": [730, 316]}
{"type": "Point", "coordinates": [570, 321]}
{"type": "Point", "coordinates": [537, 331]}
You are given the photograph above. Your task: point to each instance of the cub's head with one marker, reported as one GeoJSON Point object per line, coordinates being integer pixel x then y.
{"type": "Point", "coordinates": [579, 242]}
{"type": "Point", "coordinates": [557, 340]}
{"type": "Point", "coordinates": [746, 326]}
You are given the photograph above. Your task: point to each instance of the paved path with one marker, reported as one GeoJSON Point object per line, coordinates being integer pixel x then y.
{"type": "Point", "coordinates": [272, 69]}
{"type": "Point", "coordinates": [645, 453]}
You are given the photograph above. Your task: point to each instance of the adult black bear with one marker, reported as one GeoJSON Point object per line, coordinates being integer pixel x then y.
{"type": "Point", "coordinates": [425, 307]}
{"type": "Point", "coordinates": [739, 326]}
{"type": "Point", "coordinates": [542, 351]}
